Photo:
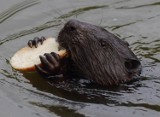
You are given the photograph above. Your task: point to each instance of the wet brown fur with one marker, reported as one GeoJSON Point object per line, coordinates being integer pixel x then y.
{"type": "Point", "coordinates": [98, 54]}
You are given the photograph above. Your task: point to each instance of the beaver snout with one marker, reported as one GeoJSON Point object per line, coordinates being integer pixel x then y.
{"type": "Point", "coordinates": [72, 25]}
{"type": "Point", "coordinates": [75, 25]}
{"type": "Point", "coordinates": [68, 33]}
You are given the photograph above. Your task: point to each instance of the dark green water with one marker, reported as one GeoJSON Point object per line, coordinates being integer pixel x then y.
{"type": "Point", "coordinates": [28, 95]}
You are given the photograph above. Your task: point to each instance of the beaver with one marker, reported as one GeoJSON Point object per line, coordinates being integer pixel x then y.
{"type": "Point", "coordinates": [93, 53]}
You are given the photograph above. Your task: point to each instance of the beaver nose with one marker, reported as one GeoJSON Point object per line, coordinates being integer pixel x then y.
{"type": "Point", "coordinates": [72, 25]}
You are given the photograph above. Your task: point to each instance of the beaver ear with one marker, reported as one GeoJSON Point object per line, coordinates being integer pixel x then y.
{"type": "Point", "coordinates": [132, 65]}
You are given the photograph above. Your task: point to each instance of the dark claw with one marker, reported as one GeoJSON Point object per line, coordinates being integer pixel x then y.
{"type": "Point", "coordinates": [47, 65]}
{"type": "Point", "coordinates": [35, 41]}
{"type": "Point", "coordinates": [30, 43]}
{"type": "Point", "coordinates": [56, 56]}
{"type": "Point", "coordinates": [50, 65]}
{"type": "Point", "coordinates": [41, 71]}
{"type": "Point", "coordinates": [42, 39]}
{"type": "Point", "coordinates": [52, 60]}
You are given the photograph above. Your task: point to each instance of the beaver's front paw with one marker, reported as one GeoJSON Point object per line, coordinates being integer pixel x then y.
{"type": "Point", "coordinates": [35, 41]}
{"type": "Point", "coordinates": [50, 65]}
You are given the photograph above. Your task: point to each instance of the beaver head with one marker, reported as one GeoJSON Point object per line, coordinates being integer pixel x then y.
{"type": "Point", "coordinates": [98, 54]}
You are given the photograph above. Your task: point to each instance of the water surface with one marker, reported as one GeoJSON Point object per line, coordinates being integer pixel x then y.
{"type": "Point", "coordinates": [27, 94]}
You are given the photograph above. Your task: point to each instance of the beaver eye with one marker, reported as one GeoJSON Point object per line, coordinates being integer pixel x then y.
{"type": "Point", "coordinates": [72, 28]}
{"type": "Point", "coordinates": [103, 43]}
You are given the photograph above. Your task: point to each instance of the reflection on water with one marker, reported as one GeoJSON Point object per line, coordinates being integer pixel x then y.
{"type": "Point", "coordinates": [61, 110]}
{"type": "Point", "coordinates": [134, 21]}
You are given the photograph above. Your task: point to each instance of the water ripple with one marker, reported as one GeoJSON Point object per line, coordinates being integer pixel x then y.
{"type": "Point", "coordinates": [30, 31]}
{"type": "Point", "coordinates": [139, 6]}
{"type": "Point", "coordinates": [58, 21]}
{"type": "Point", "coordinates": [145, 105]}
{"type": "Point", "coordinates": [16, 8]}
{"type": "Point", "coordinates": [81, 10]}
